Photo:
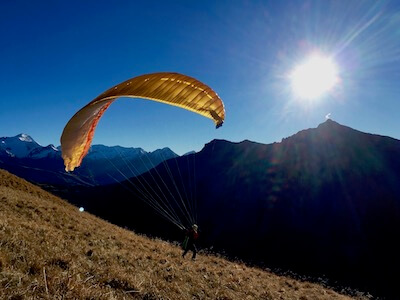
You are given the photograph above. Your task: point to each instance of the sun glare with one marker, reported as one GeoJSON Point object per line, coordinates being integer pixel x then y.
{"type": "Point", "coordinates": [314, 77]}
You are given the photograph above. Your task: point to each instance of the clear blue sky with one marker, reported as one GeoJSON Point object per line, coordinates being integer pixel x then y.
{"type": "Point", "coordinates": [56, 56]}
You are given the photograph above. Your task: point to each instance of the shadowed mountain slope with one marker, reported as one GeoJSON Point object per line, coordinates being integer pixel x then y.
{"type": "Point", "coordinates": [325, 201]}
{"type": "Point", "coordinates": [48, 249]}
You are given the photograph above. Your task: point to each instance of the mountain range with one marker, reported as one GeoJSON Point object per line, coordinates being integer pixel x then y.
{"type": "Point", "coordinates": [23, 156]}
{"type": "Point", "coordinates": [323, 202]}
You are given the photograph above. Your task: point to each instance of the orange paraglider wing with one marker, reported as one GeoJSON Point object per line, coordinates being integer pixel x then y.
{"type": "Point", "coordinates": [170, 88]}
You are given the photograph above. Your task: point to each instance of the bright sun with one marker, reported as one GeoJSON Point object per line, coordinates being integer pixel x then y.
{"type": "Point", "coordinates": [314, 77]}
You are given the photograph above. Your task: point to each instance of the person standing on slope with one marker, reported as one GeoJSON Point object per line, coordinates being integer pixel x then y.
{"type": "Point", "coordinates": [190, 241]}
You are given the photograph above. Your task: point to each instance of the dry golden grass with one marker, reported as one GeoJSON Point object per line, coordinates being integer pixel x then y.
{"type": "Point", "coordinates": [49, 250]}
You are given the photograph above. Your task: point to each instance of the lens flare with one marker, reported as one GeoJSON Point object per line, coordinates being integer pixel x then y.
{"type": "Point", "coordinates": [314, 77]}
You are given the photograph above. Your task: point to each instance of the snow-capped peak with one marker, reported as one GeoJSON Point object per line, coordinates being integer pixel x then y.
{"type": "Point", "coordinates": [19, 146]}
{"type": "Point", "coordinates": [24, 138]}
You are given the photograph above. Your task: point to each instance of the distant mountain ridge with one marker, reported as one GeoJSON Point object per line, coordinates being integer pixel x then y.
{"type": "Point", "coordinates": [23, 156]}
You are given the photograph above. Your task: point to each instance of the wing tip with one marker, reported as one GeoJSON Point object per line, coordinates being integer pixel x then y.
{"type": "Point", "coordinates": [219, 124]}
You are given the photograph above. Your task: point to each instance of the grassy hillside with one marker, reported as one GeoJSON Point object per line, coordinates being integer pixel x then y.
{"type": "Point", "coordinates": [49, 250]}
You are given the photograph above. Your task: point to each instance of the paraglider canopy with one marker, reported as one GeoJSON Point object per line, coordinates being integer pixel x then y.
{"type": "Point", "coordinates": [169, 88]}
